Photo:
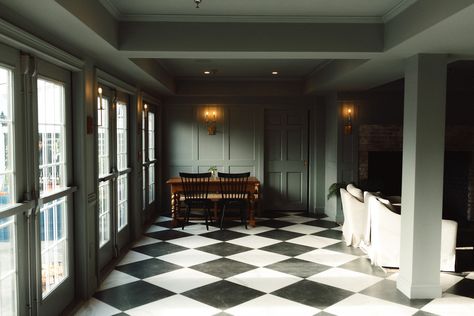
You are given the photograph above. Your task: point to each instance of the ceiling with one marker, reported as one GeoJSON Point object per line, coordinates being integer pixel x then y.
{"type": "Point", "coordinates": [324, 45]}
{"type": "Point", "coordinates": [258, 10]}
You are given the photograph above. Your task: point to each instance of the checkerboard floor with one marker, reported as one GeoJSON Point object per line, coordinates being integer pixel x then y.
{"type": "Point", "coordinates": [288, 265]}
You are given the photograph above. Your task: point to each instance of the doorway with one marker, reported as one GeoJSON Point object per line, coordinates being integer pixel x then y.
{"type": "Point", "coordinates": [286, 160]}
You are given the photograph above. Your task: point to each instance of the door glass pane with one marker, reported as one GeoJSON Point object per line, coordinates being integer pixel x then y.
{"type": "Point", "coordinates": [122, 194]}
{"type": "Point", "coordinates": [8, 270]}
{"type": "Point", "coordinates": [104, 212]}
{"type": "Point", "coordinates": [151, 136]}
{"type": "Point", "coordinates": [54, 245]}
{"type": "Point", "coordinates": [151, 187]}
{"type": "Point", "coordinates": [143, 137]}
{"type": "Point", "coordinates": [103, 136]}
{"type": "Point", "coordinates": [6, 138]}
{"type": "Point", "coordinates": [52, 134]}
{"type": "Point", "coordinates": [122, 136]}
{"type": "Point", "coordinates": [144, 187]}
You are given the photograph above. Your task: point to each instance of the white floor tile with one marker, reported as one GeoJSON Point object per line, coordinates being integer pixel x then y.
{"type": "Point", "coordinates": [470, 276]}
{"type": "Point", "coordinates": [193, 241]}
{"type": "Point", "coordinates": [189, 257]}
{"type": "Point", "coordinates": [145, 240]}
{"type": "Point", "coordinates": [450, 305]}
{"type": "Point", "coordinates": [264, 280]}
{"type": "Point", "coordinates": [254, 241]}
{"type": "Point", "coordinates": [314, 241]}
{"type": "Point", "coordinates": [133, 256]}
{"type": "Point", "coordinates": [337, 228]}
{"type": "Point", "coordinates": [270, 305]}
{"type": "Point", "coordinates": [163, 219]}
{"type": "Point", "coordinates": [155, 228]}
{"type": "Point", "coordinates": [303, 229]}
{"type": "Point", "coordinates": [196, 229]}
{"type": "Point", "coordinates": [94, 307]}
{"type": "Point", "coordinates": [345, 279]}
{"type": "Point", "coordinates": [258, 258]}
{"type": "Point", "coordinates": [174, 305]}
{"type": "Point", "coordinates": [116, 278]}
{"type": "Point", "coordinates": [296, 219]}
{"type": "Point", "coordinates": [363, 305]}
{"type": "Point", "coordinates": [182, 280]}
{"type": "Point", "coordinates": [327, 257]}
{"type": "Point", "coordinates": [251, 230]}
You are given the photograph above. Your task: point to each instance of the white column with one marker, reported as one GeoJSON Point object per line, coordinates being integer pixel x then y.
{"type": "Point", "coordinates": [422, 176]}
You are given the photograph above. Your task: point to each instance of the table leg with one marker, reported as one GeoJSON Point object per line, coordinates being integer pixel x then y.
{"type": "Point", "coordinates": [174, 208]}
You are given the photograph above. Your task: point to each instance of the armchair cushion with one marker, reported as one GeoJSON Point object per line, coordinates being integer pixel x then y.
{"type": "Point", "coordinates": [356, 192]}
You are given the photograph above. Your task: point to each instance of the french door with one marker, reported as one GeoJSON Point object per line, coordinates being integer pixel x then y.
{"type": "Point", "coordinates": [113, 173]}
{"type": "Point", "coordinates": [36, 203]}
{"type": "Point", "coordinates": [149, 160]}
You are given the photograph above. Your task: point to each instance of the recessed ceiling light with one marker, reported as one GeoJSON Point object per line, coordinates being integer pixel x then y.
{"type": "Point", "coordinates": [207, 72]}
{"type": "Point", "coordinates": [274, 72]}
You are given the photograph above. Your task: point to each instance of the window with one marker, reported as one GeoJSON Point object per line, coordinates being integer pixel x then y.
{"type": "Point", "coordinates": [122, 164]}
{"type": "Point", "coordinates": [52, 178]}
{"type": "Point", "coordinates": [8, 246]}
{"type": "Point", "coordinates": [104, 170]}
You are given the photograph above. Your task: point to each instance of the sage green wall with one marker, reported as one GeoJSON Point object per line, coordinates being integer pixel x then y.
{"type": "Point", "coordinates": [238, 145]}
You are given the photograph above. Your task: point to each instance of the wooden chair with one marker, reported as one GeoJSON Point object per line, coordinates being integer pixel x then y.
{"type": "Point", "coordinates": [195, 191]}
{"type": "Point", "coordinates": [234, 191]}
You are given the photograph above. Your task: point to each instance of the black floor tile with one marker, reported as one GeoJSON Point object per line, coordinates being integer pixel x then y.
{"type": "Point", "coordinates": [121, 314]}
{"type": "Point", "coordinates": [224, 235]}
{"type": "Point", "coordinates": [297, 267]}
{"type": "Point", "coordinates": [313, 294]}
{"type": "Point", "coordinates": [464, 287]}
{"type": "Point", "coordinates": [280, 234]}
{"type": "Point", "coordinates": [323, 313]}
{"type": "Point", "coordinates": [147, 268]}
{"type": "Point", "coordinates": [287, 249]}
{"type": "Point", "coordinates": [363, 265]}
{"type": "Point", "coordinates": [330, 233]}
{"type": "Point", "coordinates": [321, 223]}
{"type": "Point", "coordinates": [223, 249]}
{"type": "Point", "coordinates": [223, 268]}
{"type": "Point", "coordinates": [423, 313]}
{"type": "Point", "coordinates": [167, 224]}
{"type": "Point", "coordinates": [274, 223]}
{"type": "Point", "coordinates": [168, 234]}
{"type": "Point", "coordinates": [159, 249]}
{"type": "Point", "coordinates": [342, 247]}
{"type": "Point", "coordinates": [131, 295]}
{"type": "Point", "coordinates": [223, 294]}
{"type": "Point", "coordinates": [387, 290]}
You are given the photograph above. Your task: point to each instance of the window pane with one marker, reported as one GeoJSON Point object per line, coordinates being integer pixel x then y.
{"type": "Point", "coordinates": [8, 270]}
{"type": "Point", "coordinates": [122, 136]}
{"type": "Point", "coordinates": [151, 187]}
{"type": "Point", "coordinates": [104, 213]}
{"type": "Point", "coordinates": [122, 207]}
{"type": "Point", "coordinates": [144, 187]}
{"type": "Point", "coordinates": [151, 136]}
{"type": "Point", "coordinates": [143, 137]}
{"type": "Point", "coordinates": [6, 138]}
{"type": "Point", "coordinates": [103, 136]}
{"type": "Point", "coordinates": [52, 135]}
{"type": "Point", "coordinates": [54, 244]}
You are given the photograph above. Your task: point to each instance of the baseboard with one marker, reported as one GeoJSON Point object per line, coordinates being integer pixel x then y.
{"type": "Point", "coordinates": [418, 291]}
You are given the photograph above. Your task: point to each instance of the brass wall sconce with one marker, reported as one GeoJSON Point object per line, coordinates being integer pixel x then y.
{"type": "Point", "coordinates": [348, 121]}
{"type": "Point", "coordinates": [210, 118]}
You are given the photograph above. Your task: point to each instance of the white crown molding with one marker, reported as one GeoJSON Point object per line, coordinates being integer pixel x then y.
{"type": "Point", "coordinates": [109, 6]}
{"type": "Point", "coordinates": [27, 42]}
{"type": "Point", "coordinates": [246, 18]}
{"type": "Point", "coordinates": [396, 10]}
{"type": "Point", "coordinates": [113, 82]}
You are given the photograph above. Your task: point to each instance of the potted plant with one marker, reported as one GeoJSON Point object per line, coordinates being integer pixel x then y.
{"type": "Point", "coordinates": [333, 189]}
{"type": "Point", "coordinates": [213, 171]}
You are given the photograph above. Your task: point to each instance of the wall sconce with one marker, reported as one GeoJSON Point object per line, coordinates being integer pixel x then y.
{"type": "Point", "coordinates": [348, 121]}
{"type": "Point", "coordinates": [101, 107]}
{"type": "Point", "coordinates": [210, 119]}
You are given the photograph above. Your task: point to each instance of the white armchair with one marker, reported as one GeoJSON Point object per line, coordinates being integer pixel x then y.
{"type": "Point", "coordinates": [355, 212]}
{"type": "Point", "coordinates": [385, 233]}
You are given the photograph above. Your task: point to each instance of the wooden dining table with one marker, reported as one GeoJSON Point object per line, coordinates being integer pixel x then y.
{"type": "Point", "coordinates": [176, 188]}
